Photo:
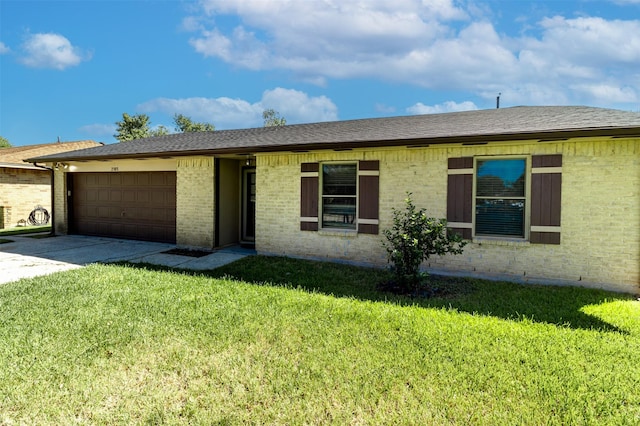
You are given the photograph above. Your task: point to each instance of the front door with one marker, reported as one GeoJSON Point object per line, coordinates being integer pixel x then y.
{"type": "Point", "coordinates": [248, 206]}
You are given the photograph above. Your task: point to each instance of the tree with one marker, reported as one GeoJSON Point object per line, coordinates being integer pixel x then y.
{"type": "Point", "coordinates": [136, 127]}
{"type": "Point", "coordinates": [185, 124]}
{"type": "Point", "coordinates": [4, 143]}
{"type": "Point", "coordinates": [272, 118]}
{"type": "Point", "coordinates": [413, 238]}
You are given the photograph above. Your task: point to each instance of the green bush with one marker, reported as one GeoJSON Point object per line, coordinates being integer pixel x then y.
{"type": "Point", "coordinates": [413, 238]}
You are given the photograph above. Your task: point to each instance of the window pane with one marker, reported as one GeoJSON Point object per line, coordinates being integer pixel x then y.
{"type": "Point", "coordinates": [500, 178]}
{"type": "Point", "coordinates": [339, 212]}
{"type": "Point", "coordinates": [339, 179]}
{"type": "Point", "coordinates": [500, 217]}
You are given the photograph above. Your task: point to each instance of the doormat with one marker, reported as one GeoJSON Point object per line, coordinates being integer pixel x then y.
{"type": "Point", "coordinates": [187, 252]}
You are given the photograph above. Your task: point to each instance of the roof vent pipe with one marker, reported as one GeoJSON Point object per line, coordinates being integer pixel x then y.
{"type": "Point", "coordinates": [498, 101]}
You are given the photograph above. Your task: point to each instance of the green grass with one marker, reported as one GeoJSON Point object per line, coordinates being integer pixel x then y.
{"type": "Point", "coordinates": [295, 342]}
{"type": "Point", "coordinates": [24, 230]}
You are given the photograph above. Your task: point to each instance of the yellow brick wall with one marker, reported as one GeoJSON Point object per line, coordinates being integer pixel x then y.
{"type": "Point", "coordinates": [60, 209]}
{"type": "Point", "coordinates": [600, 243]}
{"type": "Point", "coordinates": [22, 190]}
{"type": "Point", "coordinates": [195, 219]}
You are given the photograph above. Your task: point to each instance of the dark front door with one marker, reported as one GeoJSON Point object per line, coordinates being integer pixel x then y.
{"type": "Point", "coordinates": [248, 205]}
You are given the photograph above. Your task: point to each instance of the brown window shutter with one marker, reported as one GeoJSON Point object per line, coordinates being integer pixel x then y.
{"type": "Point", "coordinates": [460, 196]}
{"type": "Point", "coordinates": [368, 196]}
{"type": "Point", "coordinates": [309, 181]}
{"type": "Point", "coordinates": [546, 188]}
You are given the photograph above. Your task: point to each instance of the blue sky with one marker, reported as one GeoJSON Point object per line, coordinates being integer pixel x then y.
{"type": "Point", "coordinates": [69, 69]}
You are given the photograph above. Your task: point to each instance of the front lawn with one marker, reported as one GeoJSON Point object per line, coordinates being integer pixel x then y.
{"type": "Point", "coordinates": [281, 341]}
{"type": "Point", "coordinates": [21, 230]}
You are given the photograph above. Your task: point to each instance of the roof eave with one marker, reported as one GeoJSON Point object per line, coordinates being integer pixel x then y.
{"type": "Point", "coordinates": [557, 135]}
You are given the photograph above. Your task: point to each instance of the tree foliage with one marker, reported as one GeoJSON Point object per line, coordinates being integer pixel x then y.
{"type": "Point", "coordinates": [413, 238]}
{"type": "Point", "coordinates": [138, 126]}
{"type": "Point", "coordinates": [185, 124]}
{"type": "Point", "coordinates": [272, 118]}
{"type": "Point", "coordinates": [4, 143]}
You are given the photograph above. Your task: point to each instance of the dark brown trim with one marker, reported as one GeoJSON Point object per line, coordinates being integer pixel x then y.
{"type": "Point", "coordinates": [460, 195]}
{"type": "Point", "coordinates": [460, 163]}
{"type": "Point", "coordinates": [369, 165]}
{"type": "Point", "coordinates": [368, 196]}
{"type": "Point", "coordinates": [364, 228]}
{"type": "Point", "coordinates": [309, 167]}
{"type": "Point", "coordinates": [216, 202]}
{"type": "Point", "coordinates": [544, 238]}
{"type": "Point", "coordinates": [546, 198]}
{"type": "Point", "coordinates": [463, 232]}
{"type": "Point", "coordinates": [309, 187]}
{"type": "Point", "coordinates": [553, 160]}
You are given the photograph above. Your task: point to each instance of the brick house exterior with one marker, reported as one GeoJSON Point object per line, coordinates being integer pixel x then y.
{"type": "Point", "coordinates": [569, 215]}
{"type": "Point", "coordinates": [23, 187]}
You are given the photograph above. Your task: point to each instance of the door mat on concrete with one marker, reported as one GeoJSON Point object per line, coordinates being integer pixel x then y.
{"type": "Point", "coordinates": [186, 252]}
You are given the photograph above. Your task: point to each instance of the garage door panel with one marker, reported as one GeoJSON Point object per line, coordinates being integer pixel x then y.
{"type": "Point", "coordinates": [116, 196]}
{"type": "Point", "coordinates": [142, 196]}
{"type": "Point", "coordinates": [129, 196]}
{"type": "Point", "coordinates": [143, 180]}
{"type": "Point", "coordinates": [138, 205]}
{"type": "Point", "coordinates": [103, 179]}
{"type": "Point", "coordinates": [114, 212]}
{"type": "Point", "coordinates": [103, 212]}
{"type": "Point", "coordinates": [156, 197]}
{"type": "Point", "coordinates": [115, 179]}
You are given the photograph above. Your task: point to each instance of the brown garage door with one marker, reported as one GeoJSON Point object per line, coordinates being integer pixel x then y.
{"type": "Point", "coordinates": [136, 205]}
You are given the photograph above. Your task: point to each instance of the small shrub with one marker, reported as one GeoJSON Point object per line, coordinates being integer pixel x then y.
{"type": "Point", "coordinates": [414, 238]}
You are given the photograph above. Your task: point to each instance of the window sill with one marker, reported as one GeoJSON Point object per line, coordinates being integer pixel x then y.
{"type": "Point", "coordinates": [497, 241]}
{"type": "Point", "coordinates": [352, 233]}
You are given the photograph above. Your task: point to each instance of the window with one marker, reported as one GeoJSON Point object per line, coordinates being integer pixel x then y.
{"type": "Point", "coordinates": [329, 193]}
{"type": "Point", "coordinates": [500, 197]}
{"type": "Point", "coordinates": [339, 196]}
{"type": "Point", "coordinates": [506, 197]}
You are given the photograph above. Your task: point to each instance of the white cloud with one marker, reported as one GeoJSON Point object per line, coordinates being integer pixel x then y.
{"type": "Point", "coordinates": [385, 109]}
{"type": "Point", "coordinates": [449, 106]}
{"type": "Point", "coordinates": [4, 48]}
{"type": "Point", "coordinates": [49, 50]}
{"type": "Point", "coordinates": [435, 45]}
{"type": "Point", "coordinates": [225, 113]}
{"type": "Point", "coordinates": [98, 130]}
{"type": "Point", "coordinates": [298, 107]}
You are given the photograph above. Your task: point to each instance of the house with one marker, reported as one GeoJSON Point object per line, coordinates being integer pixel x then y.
{"type": "Point", "coordinates": [25, 187]}
{"type": "Point", "coordinates": [543, 194]}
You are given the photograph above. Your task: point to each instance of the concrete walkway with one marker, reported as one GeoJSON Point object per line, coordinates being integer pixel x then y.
{"type": "Point", "coordinates": [27, 257]}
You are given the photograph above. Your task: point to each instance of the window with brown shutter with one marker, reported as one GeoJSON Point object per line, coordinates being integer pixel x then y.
{"type": "Point", "coordinates": [500, 197]}
{"type": "Point", "coordinates": [339, 195]}
{"type": "Point", "coordinates": [330, 192]}
{"type": "Point", "coordinates": [368, 196]}
{"type": "Point", "coordinates": [501, 203]}
{"type": "Point", "coordinates": [460, 196]}
{"type": "Point", "coordinates": [546, 188]}
{"type": "Point", "coordinates": [309, 196]}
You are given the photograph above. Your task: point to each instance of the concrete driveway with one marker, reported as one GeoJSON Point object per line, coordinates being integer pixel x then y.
{"type": "Point", "coordinates": [27, 257]}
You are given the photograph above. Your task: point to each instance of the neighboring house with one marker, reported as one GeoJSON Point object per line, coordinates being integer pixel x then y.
{"type": "Point", "coordinates": [25, 187]}
{"type": "Point", "coordinates": [543, 194]}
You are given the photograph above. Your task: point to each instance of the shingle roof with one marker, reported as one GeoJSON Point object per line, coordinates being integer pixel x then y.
{"type": "Point", "coordinates": [17, 155]}
{"type": "Point", "coordinates": [516, 123]}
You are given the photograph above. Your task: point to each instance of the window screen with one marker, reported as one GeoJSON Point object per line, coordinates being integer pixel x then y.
{"type": "Point", "coordinates": [339, 196]}
{"type": "Point", "coordinates": [500, 197]}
